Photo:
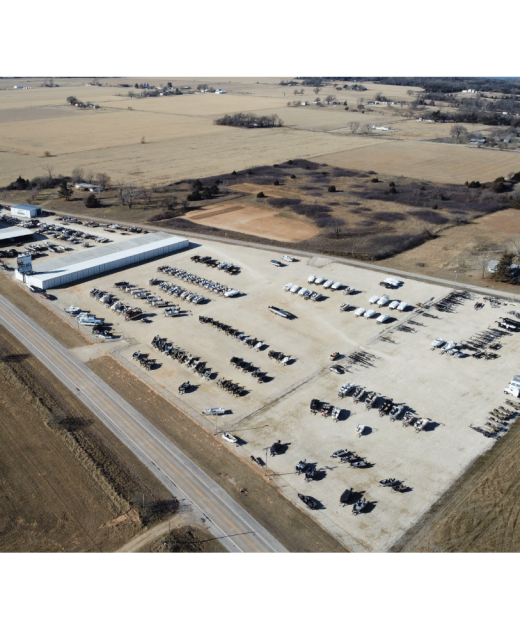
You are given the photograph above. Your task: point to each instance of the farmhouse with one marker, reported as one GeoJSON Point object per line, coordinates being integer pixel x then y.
{"type": "Point", "coordinates": [85, 186]}
{"type": "Point", "coordinates": [26, 210]}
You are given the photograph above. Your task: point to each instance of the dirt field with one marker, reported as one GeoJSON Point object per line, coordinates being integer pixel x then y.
{"type": "Point", "coordinates": [427, 161]}
{"type": "Point", "coordinates": [245, 218]}
{"type": "Point", "coordinates": [479, 514]}
{"type": "Point", "coordinates": [68, 484]}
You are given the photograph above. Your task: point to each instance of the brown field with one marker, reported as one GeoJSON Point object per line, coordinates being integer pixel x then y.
{"type": "Point", "coordinates": [480, 513]}
{"type": "Point", "coordinates": [456, 248]}
{"type": "Point", "coordinates": [181, 140]}
{"type": "Point", "coordinates": [68, 484]}
{"type": "Point", "coordinates": [427, 161]}
{"type": "Point", "coordinates": [262, 221]}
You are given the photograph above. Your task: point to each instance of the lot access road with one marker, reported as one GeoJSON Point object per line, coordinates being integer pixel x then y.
{"type": "Point", "coordinates": [225, 519]}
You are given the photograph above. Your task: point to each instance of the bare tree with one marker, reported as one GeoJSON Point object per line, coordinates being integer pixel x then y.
{"type": "Point", "coordinates": [72, 99]}
{"type": "Point", "coordinates": [49, 168]}
{"type": "Point", "coordinates": [353, 126]}
{"type": "Point", "coordinates": [317, 90]}
{"type": "Point", "coordinates": [121, 192]}
{"type": "Point", "coordinates": [89, 176]}
{"type": "Point", "coordinates": [330, 99]}
{"type": "Point", "coordinates": [458, 130]}
{"type": "Point", "coordinates": [103, 180]}
{"type": "Point", "coordinates": [170, 202]}
{"type": "Point", "coordinates": [77, 174]}
{"type": "Point", "coordinates": [366, 129]}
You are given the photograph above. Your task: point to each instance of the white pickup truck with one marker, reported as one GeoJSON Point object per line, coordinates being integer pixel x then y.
{"type": "Point", "coordinates": [514, 387]}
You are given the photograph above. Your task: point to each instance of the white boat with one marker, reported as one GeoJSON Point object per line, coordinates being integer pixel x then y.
{"type": "Point", "coordinates": [403, 306]}
{"type": "Point", "coordinates": [448, 346]}
{"type": "Point", "coordinates": [229, 438]}
{"type": "Point", "coordinates": [370, 313]}
{"type": "Point", "coordinates": [72, 310]}
{"type": "Point", "coordinates": [215, 411]}
{"type": "Point", "coordinates": [303, 291]}
{"type": "Point", "coordinates": [288, 258]}
{"type": "Point", "coordinates": [394, 304]}
{"type": "Point", "coordinates": [311, 278]}
{"type": "Point", "coordinates": [319, 280]}
{"type": "Point", "coordinates": [373, 299]}
{"type": "Point", "coordinates": [360, 311]}
{"type": "Point", "coordinates": [232, 293]}
{"type": "Point", "coordinates": [438, 342]}
{"type": "Point", "coordinates": [382, 318]}
{"type": "Point", "coordinates": [359, 430]}
{"type": "Point", "coordinates": [288, 286]}
{"type": "Point", "coordinates": [328, 284]}
{"type": "Point", "coordinates": [382, 301]}
{"type": "Point", "coordinates": [295, 288]}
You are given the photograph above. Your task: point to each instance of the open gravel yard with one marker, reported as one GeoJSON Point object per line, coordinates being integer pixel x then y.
{"type": "Point", "coordinates": [455, 393]}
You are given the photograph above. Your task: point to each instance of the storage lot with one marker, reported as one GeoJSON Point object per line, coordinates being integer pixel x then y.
{"type": "Point", "coordinates": [454, 393]}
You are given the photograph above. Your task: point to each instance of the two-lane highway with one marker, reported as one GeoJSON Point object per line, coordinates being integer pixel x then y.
{"type": "Point", "coordinates": [226, 520]}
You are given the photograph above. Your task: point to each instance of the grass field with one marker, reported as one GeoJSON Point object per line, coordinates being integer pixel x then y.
{"type": "Point", "coordinates": [427, 161]}
{"type": "Point", "coordinates": [480, 513]}
{"type": "Point", "coordinates": [68, 484]}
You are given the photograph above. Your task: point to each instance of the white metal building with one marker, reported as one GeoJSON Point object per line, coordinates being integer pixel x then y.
{"type": "Point", "coordinates": [105, 258]}
{"type": "Point", "coordinates": [26, 210]}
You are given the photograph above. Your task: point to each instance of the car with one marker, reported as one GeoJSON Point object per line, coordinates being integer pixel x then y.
{"type": "Point", "coordinates": [276, 263]}
{"type": "Point", "coordinates": [288, 258]}
{"type": "Point", "coordinates": [337, 369]}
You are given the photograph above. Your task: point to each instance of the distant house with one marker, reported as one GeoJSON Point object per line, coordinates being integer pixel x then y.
{"type": "Point", "coordinates": [85, 186]}
{"type": "Point", "coordinates": [304, 104]}
{"type": "Point", "coordinates": [478, 140]}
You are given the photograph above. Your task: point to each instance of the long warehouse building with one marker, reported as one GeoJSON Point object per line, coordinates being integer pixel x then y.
{"type": "Point", "coordinates": [105, 258]}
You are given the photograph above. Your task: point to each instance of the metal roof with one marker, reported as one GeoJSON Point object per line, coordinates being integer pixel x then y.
{"type": "Point", "coordinates": [25, 207]}
{"type": "Point", "coordinates": [14, 232]}
{"type": "Point", "coordinates": [93, 257]}
{"type": "Point", "coordinates": [107, 257]}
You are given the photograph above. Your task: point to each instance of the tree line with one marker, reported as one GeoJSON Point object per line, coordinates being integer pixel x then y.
{"type": "Point", "coordinates": [249, 120]}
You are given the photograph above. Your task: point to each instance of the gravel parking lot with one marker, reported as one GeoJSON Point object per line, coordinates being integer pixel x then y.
{"type": "Point", "coordinates": [455, 393]}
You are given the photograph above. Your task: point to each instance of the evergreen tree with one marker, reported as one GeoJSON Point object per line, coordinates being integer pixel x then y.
{"type": "Point", "coordinates": [64, 191]}
{"type": "Point", "coordinates": [503, 270]}
{"type": "Point", "coordinates": [92, 202]}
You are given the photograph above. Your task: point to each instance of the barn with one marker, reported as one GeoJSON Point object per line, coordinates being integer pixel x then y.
{"type": "Point", "coordinates": [26, 210]}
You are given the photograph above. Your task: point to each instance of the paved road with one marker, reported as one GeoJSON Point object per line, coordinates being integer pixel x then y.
{"type": "Point", "coordinates": [491, 290]}
{"type": "Point", "coordinates": [225, 519]}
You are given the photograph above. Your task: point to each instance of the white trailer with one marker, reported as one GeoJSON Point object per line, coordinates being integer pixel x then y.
{"type": "Point", "coordinates": [373, 299]}
{"type": "Point", "coordinates": [295, 288]}
{"type": "Point", "coordinates": [360, 311]}
{"type": "Point", "coordinates": [328, 284]}
{"type": "Point", "coordinates": [402, 306]}
{"type": "Point", "coordinates": [514, 387]}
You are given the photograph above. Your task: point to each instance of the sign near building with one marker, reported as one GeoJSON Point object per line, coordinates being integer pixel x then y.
{"type": "Point", "coordinates": [24, 264]}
